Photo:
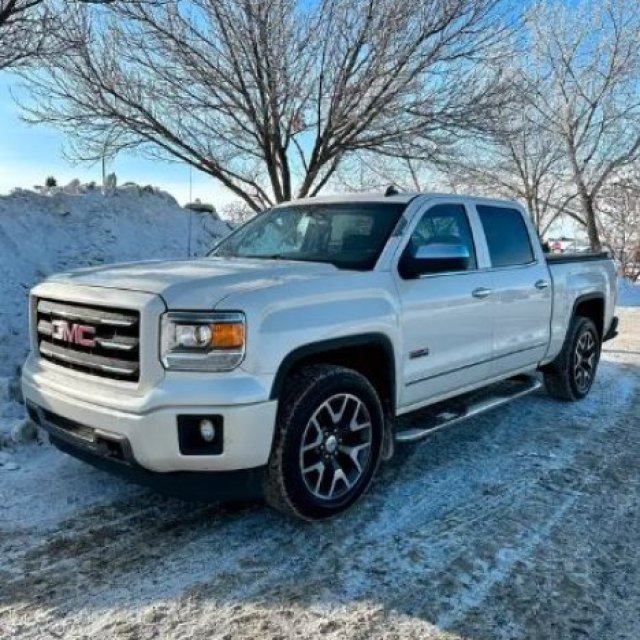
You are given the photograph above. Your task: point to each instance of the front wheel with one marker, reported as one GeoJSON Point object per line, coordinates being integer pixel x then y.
{"type": "Point", "coordinates": [571, 376]}
{"type": "Point", "coordinates": [327, 444]}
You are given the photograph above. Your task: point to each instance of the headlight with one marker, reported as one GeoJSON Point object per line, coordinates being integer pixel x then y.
{"type": "Point", "coordinates": [202, 341]}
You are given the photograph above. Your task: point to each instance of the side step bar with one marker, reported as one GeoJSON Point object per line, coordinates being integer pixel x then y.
{"type": "Point", "coordinates": [502, 393]}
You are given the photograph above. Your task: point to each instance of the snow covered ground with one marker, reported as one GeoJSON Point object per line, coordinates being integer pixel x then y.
{"type": "Point", "coordinates": [521, 523]}
{"type": "Point", "coordinates": [628, 294]}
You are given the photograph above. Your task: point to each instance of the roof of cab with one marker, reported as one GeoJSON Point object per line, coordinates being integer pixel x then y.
{"type": "Point", "coordinates": [354, 197]}
{"type": "Point", "coordinates": [401, 197]}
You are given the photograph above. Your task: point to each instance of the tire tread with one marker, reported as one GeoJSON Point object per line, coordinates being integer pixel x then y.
{"type": "Point", "coordinates": [300, 385]}
{"type": "Point", "coordinates": [557, 375]}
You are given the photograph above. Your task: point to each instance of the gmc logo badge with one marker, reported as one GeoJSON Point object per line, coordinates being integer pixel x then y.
{"type": "Point", "coordinates": [80, 334]}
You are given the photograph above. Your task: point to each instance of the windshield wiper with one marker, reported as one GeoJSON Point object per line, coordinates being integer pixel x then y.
{"type": "Point", "coordinates": [267, 256]}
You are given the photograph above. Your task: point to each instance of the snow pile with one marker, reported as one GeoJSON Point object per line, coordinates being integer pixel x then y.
{"type": "Point", "coordinates": [628, 294]}
{"type": "Point", "coordinates": [50, 230]}
{"type": "Point", "coordinates": [15, 429]}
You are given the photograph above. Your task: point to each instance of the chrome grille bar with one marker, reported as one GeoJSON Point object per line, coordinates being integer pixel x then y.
{"type": "Point", "coordinates": [99, 341]}
{"type": "Point", "coordinates": [121, 343]}
{"type": "Point", "coordinates": [86, 314]}
{"type": "Point", "coordinates": [91, 361]}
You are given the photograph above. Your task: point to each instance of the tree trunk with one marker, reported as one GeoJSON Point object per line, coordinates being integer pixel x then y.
{"type": "Point", "coordinates": [533, 210]}
{"type": "Point", "coordinates": [592, 227]}
{"type": "Point", "coordinates": [587, 202]}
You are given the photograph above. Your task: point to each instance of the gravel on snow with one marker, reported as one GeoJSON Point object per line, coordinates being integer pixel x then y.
{"type": "Point", "coordinates": [522, 523]}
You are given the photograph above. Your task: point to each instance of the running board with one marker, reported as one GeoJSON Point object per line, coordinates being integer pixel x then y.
{"type": "Point", "coordinates": [519, 387]}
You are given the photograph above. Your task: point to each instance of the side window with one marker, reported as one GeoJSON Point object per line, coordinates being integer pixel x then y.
{"type": "Point", "coordinates": [507, 236]}
{"type": "Point", "coordinates": [444, 224]}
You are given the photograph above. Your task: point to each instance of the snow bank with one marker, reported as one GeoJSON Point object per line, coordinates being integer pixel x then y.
{"type": "Point", "coordinates": [628, 294]}
{"type": "Point", "coordinates": [42, 232]}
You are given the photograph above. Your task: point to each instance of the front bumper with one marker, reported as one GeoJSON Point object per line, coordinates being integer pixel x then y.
{"type": "Point", "coordinates": [148, 424]}
{"type": "Point", "coordinates": [243, 484]}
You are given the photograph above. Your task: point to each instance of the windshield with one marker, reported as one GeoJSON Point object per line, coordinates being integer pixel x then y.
{"type": "Point", "coordinates": [347, 235]}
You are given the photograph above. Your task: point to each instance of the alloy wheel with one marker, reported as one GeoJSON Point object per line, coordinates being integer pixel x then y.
{"type": "Point", "coordinates": [585, 361]}
{"type": "Point", "coordinates": [336, 446]}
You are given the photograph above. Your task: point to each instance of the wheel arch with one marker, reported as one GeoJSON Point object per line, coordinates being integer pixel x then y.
{"type": "Point", "coordinates": [370, 354]}
{"type": "Point", "coordinates": [592, 306]}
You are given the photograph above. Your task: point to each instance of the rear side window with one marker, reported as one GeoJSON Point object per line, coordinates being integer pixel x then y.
{"type": "Point", "coordinates": [507, 236]}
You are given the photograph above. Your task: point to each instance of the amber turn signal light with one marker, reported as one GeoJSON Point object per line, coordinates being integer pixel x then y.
{"type": "Point", "coordinates": [227, 335]}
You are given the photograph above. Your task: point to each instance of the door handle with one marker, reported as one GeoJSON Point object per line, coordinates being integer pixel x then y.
{"type": "Point", "coordinates": [542, 284]}
{"type": "Point", "coordinates": [481, 292]}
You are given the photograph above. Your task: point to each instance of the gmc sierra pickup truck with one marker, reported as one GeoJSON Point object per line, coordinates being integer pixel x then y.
{"type": "Point", "coordinates": [279, 365]}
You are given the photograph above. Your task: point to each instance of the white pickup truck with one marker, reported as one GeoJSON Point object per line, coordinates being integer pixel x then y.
{"type": "Point", "coordinates": [279, 365]}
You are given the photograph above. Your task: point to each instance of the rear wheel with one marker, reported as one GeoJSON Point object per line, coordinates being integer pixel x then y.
{"type": "Point", "coordinates": [571, 376]}
{"type": "Point", "coordinates": [327, 444]}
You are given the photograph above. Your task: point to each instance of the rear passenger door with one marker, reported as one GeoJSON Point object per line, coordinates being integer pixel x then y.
{"type": "Point", "coordinates": [522, 288]}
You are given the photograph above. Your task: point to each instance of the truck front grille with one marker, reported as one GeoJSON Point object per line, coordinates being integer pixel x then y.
{"type": "Point", "coordinates": [98, 341]}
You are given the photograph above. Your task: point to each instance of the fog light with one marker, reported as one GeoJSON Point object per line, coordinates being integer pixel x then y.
{"type": "Point", "coordinates": [207, 430]}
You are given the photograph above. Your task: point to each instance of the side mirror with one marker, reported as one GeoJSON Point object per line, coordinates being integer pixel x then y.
{"type": "Point", "coordinates": [434, 258]}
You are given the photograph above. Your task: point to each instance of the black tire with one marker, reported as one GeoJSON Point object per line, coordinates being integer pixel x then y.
{"type": "Point", "coordinates": [562, 377]}
{"type": "Point", "coordinates": [308, 412]}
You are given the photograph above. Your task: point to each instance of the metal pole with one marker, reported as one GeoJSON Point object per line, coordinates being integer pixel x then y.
{"type": "Point", "coordinates": [190, 212]}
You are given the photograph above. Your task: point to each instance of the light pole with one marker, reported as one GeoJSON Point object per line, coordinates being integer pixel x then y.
{"type": "Point", "coordinates": [107, 142]}
{"type": "Point", "coordinates": [190, 211]}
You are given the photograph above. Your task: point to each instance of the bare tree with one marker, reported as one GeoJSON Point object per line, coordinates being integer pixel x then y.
{"type": "Point", "coordinates": [21, 31]}
{"type": "Point", "coordinates": [514, 158]}
{"type": "Point", "coordinates": [270, 98]}
{"type": "Point", "coordinates": [619, 218]}
{"type": "Point", "coordinates": [363, 172]}
{"type": "Point", "coordinates": [586, 60]}
{"type": "Point", "coordinates": [27, 28]}
{"type": "Point", "coordinates": [236, 212]}
{"type": "Point", "coordinates": [517, 158]}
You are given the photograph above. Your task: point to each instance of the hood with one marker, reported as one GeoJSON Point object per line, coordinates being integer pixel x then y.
{"type": "Point", "coordinates": [196, 284]}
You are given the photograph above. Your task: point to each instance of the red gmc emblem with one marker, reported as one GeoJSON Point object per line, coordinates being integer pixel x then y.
{"type": "Point", "coordinates": [79, 334]}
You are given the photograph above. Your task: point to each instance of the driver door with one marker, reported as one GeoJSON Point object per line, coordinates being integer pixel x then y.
{"type": "Point", "coordinates": [447, 314]}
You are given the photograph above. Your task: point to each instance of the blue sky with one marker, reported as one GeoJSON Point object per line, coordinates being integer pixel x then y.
{"type": "Point", "coordinates": [30, 153]}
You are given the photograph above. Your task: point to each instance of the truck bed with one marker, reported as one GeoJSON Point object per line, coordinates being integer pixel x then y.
{"type": "Point", "coordinates": [579, 277]}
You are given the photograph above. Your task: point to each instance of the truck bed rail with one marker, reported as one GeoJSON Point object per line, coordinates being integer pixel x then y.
{"type": "Point", "coordinates": [561, 258]}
